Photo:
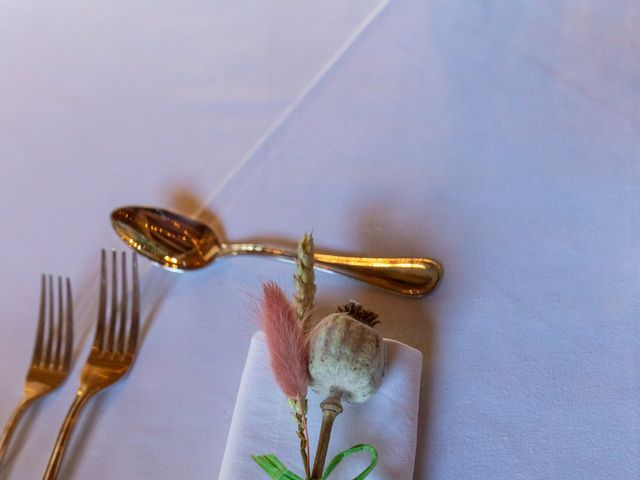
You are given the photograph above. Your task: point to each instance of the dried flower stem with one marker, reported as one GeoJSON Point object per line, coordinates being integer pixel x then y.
{"type": "Point", "coordinates": [304, 279]}
{"type": "Point", "coordinates": [289, 352]}
{"type": "Point", "coordinates": [299, 410]}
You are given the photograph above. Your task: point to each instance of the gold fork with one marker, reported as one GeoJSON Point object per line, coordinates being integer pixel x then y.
{"type": "Point", "coordinates": [51, 355]}
{"type": "Point", "coordinates": [112, 352]}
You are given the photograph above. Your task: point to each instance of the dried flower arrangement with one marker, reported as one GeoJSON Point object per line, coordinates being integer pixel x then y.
{"type": "Point", "coordinates": [340, 357]}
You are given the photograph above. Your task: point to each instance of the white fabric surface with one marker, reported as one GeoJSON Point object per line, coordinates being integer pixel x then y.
{"type": "Point", "coordinates": [501, 138]}
{"type": "Point", "coordinates": [262, 422]}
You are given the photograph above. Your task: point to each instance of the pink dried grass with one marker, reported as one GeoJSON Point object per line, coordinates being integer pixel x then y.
{"type": "Point", "coordinates": [288, 347]}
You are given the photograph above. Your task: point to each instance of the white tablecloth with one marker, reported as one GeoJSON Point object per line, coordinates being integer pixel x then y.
{"type": "Point", "coordinates": [501, 138]}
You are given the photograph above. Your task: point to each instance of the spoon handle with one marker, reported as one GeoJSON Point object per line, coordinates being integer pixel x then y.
{"type": "Point", "coordinates": [408, 276]}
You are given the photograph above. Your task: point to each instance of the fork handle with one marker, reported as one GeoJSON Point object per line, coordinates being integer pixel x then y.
{"type": "Point", "coordinates": [11, 425]}
{"type": "Point", "coordinates": [55, 461]}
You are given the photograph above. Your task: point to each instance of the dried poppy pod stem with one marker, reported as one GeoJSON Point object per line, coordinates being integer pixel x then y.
{"type": "Point", "coordinates": [347, 360]}
{"type": "Point", "coordinates": [331, 408]}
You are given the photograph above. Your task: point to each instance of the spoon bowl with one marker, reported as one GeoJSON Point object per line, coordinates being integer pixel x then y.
{"type": "Point", "coordinates": [173, 241]}
{"type": "Point", "coordinates": [180, 243]}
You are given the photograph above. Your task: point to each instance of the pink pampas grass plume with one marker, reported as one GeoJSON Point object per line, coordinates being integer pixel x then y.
{"type": "Point", "coordinates": [287, 344]}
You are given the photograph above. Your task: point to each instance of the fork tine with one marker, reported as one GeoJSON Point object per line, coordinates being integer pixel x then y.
{"type": "Point", "coordinates": [109, 347]}
{"type": "Point", "coordinates": [37, 347]}
{"type": "Point", "coordinates": [123, 307]}
{"type": "Point", "coordinates": [135, 307]}
{"type": "Point", "coordinates": [50, 330]}
{"type": "Point", "coordinates": [68, 339]}
{"type": "Point", "coordinates": [59, 328]}
{"type": "Point", "coordinates": [98, 342]}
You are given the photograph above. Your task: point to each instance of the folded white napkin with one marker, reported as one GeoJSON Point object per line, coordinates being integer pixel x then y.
{"type": "Point", "coordinates": [262, 422]}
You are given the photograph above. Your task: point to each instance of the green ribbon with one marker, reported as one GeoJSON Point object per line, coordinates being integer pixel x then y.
{"type": "Point", "coordinates": [274, 467]}
{"type": "Point", "coordinates": [277, 471]}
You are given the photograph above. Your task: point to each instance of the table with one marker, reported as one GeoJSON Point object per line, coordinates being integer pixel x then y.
{"type": "Point", "coordinates": [499, 138]}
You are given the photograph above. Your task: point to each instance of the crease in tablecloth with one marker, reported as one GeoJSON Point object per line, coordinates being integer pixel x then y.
{"type": "Point", "coordinates": [304, 93]}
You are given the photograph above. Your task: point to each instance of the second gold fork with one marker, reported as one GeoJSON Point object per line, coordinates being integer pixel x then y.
{"type": "Point", "coordinates": [112, 353]}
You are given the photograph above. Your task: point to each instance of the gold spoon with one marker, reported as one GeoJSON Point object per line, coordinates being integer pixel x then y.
{"type": "Point", "coordinates": [180, 243]}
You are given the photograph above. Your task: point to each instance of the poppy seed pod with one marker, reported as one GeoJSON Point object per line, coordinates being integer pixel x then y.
{"type": "Point", "coordinates": [347, 356]}
{"type": "Point", "coordinates": [347, 360]}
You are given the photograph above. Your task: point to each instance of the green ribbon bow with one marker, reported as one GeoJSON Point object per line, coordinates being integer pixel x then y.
{"type": "Point", "coordinates": [277, 471]}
